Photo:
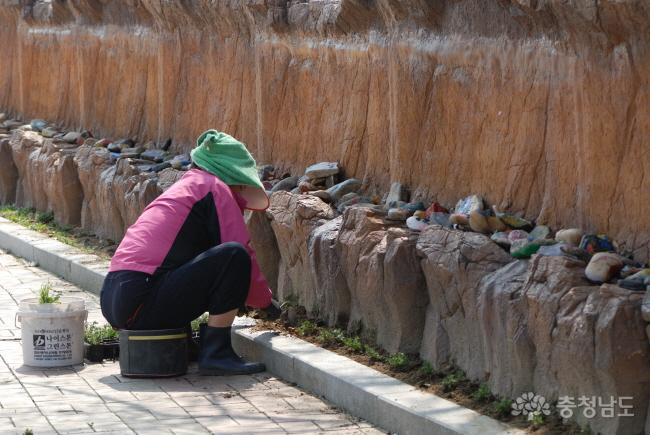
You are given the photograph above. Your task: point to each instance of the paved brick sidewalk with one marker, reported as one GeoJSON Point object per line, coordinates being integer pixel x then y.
{"type": "Point", "coordinates": [95, 398]}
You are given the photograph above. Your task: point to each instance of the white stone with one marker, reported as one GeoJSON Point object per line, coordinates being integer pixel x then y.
{"type": "Point", "coordinates": [416, 224]}
{"type": "Point", "coordinates": [322, 170]}
{"type": "Point", "coordinates": [571, 236]}
{"type": "Point", "coordinates": [396, 193]}
{"type": "Point", "coordinates": [603, 266]}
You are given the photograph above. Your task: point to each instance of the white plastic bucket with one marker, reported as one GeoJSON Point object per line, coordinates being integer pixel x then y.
{"type": "Point", "coordinates": [52, 334]}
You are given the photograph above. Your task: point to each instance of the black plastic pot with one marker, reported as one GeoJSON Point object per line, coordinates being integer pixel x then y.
{"type": "Point", "coordinates": [153, 354]}
{"type": "Point", "coordinates": [93, 352]}
{"type": "Point", "coordinates": [111, 349]}
{"type": "Point", "coordinates": [99, 352]}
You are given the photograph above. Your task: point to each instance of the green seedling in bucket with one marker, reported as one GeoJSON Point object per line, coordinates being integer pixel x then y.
{"type": "Point", "coordinates": [44, 296]}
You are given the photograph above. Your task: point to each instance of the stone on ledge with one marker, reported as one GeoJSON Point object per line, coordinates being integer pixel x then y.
{"type": "Point", "coordinates": [397, 193]}
{"type": "Point", "coordinates": [603, 267]}
{"type": "Point", "coordinates": [469, 204]}
{"type": "Point", "coordinates": [286, 184]}
{"type": "Point", "coordinates": [322, 170]}
{"type": "Point", "coordinates": [571, 236]}
{"type": "Point", "coordinates": [337, 191]}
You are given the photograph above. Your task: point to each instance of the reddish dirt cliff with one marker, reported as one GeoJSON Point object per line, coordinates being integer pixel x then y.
{"type": "Point", "coordinates": [539, 105]}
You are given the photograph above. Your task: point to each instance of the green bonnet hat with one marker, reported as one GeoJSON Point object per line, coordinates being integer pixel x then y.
{"type": "Point", "coordinates": [227, 158]}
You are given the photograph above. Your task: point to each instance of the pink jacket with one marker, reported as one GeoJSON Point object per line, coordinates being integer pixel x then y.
{"type": "Point", "coordinates": [148, 242]}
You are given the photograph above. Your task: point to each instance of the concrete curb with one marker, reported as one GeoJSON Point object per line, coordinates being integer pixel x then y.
{"type": "Point", "coordinates": [86, 271]}
{"type": "Point", "coordinates": [360, 390]}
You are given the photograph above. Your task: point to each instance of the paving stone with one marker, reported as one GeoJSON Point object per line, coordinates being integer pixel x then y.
{"type": "Point", "coordinates": [95, 398]}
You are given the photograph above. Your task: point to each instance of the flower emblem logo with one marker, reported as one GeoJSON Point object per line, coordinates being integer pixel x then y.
{"type": "Point", "coordinates": [530, 404]}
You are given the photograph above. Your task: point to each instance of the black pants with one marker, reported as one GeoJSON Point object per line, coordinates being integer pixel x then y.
{"type": "Point", "coordinates": [216, 281]}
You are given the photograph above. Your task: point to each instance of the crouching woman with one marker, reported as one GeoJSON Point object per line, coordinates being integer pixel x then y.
{"type": "Point", "coordinates": [189, 253]}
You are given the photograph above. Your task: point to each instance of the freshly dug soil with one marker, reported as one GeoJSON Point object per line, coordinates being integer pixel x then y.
{"type": "Point", "coordinates": [462, 394]}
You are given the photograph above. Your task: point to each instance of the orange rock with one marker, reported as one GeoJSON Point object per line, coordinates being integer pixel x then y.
{"type": "Point", "coordinates": [459, 219]}
{"type": "Point", "coordinates": [478, 222]}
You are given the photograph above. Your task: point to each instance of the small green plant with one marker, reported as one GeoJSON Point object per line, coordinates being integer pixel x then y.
{"type": "Point", "coordinates": [45, 218]}
{"type": "Point", "coordinates": [307, 327]}
{"type": "Point", "coordinates": [327, 337]}
{"type": "Point", "coordinates": [28, 431]}
{"type": "Point", "coordinates": [482, 393]}
{"type": "Point", "coordinates": [353, 343]}
{"type": "Point", "coordinates": [398, 361]}
{"type": "Point", "coordinates": [373, 354]}
{"type": "Point", "coordinates": [426, 369]}
{"type": "Point", "coordinates": [203, 318]}
{"type": "Point", "coordinates": [451, 381]}
{"type": "Point", "coordinates": [537, 419]}
{"type": "Point", "coordinates": [96, 334]}
{"type": "Point", "coordinates": [503, 407]}
{"type": "Point", "coordinates": [46, 295]}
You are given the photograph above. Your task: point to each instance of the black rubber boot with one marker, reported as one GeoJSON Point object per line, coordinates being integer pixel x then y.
{"type": "Point", "coordinates": [217, 356]}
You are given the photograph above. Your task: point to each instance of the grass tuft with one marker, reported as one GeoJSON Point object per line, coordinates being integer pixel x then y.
{"type": "Point", "coordinates": [46, 295]}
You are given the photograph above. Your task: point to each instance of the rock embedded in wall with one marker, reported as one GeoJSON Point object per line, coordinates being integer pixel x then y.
{"type": "Point", "coordinates": [167, 178]}
{"type": "Point", "coordinates": [293, 218]}
{"type": "Point", "coordinates": [99, 212]}
{"type": "Point", "coordinates": [23, 143]}
{"type": "Point", "coordinates": [132, 191]}
{"type": "Point", "coordinates": [265, 246]}
{"type": "Point", "coordinates": [533, 325]}
{"type": "Point", "coordinates": [332, 294]}
{"type": "Point", "coordinates": [61, 183]}
{"type": "Point", "coordinates": [8, 172]}
{"type": "Point", "coordinates": [387, 288]}
{"type": "Point", "coordinates": [454, 264]}
{"type": "Point", "coordinates": [598, 349]}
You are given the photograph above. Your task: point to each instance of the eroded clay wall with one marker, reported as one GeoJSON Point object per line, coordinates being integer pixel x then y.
{"type": "Point", "coordinates": [539, 105]}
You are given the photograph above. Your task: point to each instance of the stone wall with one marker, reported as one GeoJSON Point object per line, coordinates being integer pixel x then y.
{"type": "Point", "coordinates": [82, 185]}
{"type": "Point", "coordinates": [458, 299]}
{"type": "Point", "coordinates": [455, 298]}
{"type": "Point", "coordinates": [539, 106]}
